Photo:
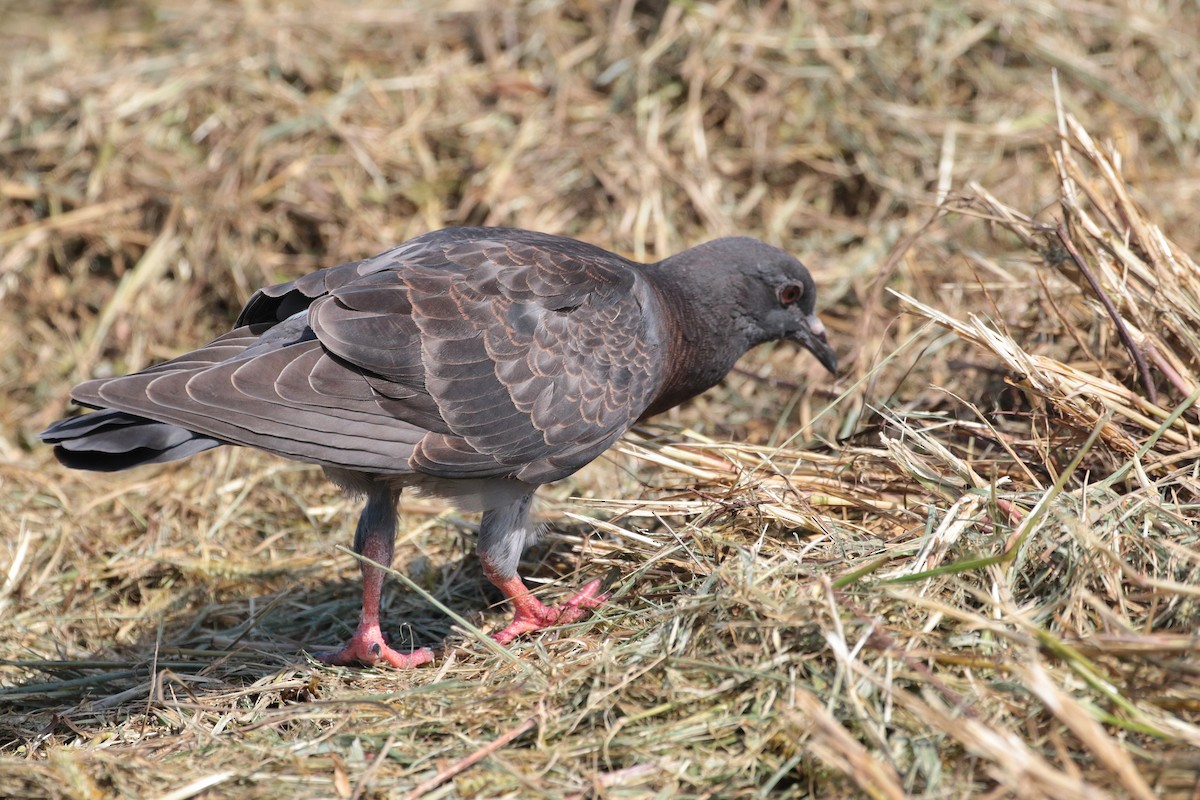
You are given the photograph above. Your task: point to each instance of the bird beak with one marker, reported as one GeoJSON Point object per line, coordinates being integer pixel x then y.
{"type": "Point", "coordinates": [813, 339]}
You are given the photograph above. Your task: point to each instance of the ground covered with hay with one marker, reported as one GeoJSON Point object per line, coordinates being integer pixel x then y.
{"type": "Point", "coordinates": [969, 567]}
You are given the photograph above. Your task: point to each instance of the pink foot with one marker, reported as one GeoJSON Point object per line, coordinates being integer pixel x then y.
{"type": "Point", "coordinates": [531, 614]}
{"type": "Point", "coordinates": [368, 647]}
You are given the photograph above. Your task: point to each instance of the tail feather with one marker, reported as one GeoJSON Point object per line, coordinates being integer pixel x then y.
{"type": "Point", "coordinates": [108, 441]}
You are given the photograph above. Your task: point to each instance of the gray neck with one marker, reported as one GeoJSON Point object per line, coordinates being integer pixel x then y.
{"type": "Point", "coordinates": [708, 334]}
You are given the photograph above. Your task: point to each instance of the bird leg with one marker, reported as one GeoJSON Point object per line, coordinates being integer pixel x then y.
{"type": "Point", "coordinates": [503, 535]}
{"type": "Point", "coordinates": [374, 539]}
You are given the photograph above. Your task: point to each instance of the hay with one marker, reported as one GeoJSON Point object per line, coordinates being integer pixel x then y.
{"type": "Point", "coordinates": [968, 568]}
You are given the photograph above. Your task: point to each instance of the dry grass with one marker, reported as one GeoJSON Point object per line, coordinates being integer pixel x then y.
{"type": "Point", "coordinates": [968, 568]}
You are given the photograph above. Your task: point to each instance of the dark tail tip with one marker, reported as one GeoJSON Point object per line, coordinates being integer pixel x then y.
{"type": "Point", "coordinates": [108, 441]}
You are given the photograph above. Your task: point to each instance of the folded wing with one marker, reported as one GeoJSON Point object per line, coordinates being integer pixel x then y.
{"type": "Point", "coordinates": [468, 353]}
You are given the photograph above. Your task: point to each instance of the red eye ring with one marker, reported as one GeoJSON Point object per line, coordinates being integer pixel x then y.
{"type": "Point", "coordinates": [790, 293]}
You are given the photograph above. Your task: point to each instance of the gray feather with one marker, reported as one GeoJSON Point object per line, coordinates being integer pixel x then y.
{"type": "Point", "coordinates": [473, 362]}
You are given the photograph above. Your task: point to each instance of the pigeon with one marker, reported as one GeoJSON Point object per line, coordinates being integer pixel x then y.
{"type": "Point", "coordinates": [472, 364]}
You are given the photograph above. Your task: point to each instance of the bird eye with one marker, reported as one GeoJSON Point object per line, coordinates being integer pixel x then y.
{"type": "Point", "coordinates": [789, 293]}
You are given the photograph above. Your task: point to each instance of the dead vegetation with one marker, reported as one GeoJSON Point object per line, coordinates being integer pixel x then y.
{"type": "Point", "coordinates": [968, 568]}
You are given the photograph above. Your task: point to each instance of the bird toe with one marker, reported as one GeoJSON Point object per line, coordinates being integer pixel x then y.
{"type": "Point", "coordinates": [368, 647]}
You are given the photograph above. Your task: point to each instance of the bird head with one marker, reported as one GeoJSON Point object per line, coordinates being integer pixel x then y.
{"type": "Point", "coordinates": [773, 293]}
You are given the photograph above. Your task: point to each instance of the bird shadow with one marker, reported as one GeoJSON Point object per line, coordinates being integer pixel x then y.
{"type": "Point", "coordinates": [205, 649]}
